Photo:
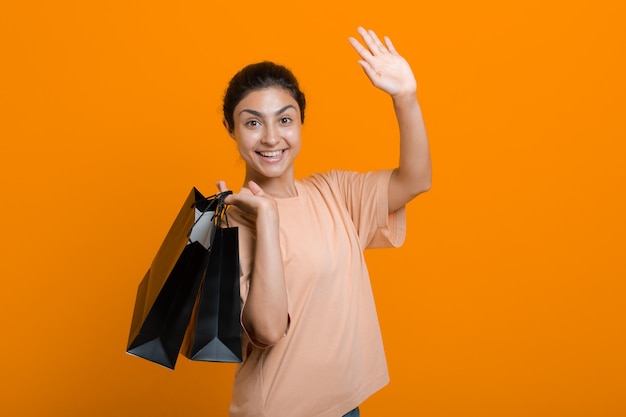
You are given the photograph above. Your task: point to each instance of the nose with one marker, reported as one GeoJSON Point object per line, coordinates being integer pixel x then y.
{"type": "Point", "coordinates": [271, 135]}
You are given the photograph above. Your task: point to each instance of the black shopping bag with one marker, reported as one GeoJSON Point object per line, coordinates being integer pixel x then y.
{"type": "Point", "coordinates": [215, 330]}
{"type": "Point", "coordinates": [167, 293]}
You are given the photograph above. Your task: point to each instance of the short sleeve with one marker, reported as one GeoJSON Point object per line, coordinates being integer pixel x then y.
{"type": "Point", "coordinates": [367, 200]}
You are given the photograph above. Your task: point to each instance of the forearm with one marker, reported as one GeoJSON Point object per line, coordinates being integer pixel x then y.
{"type": "Point", "coordinates": [265, 313]}
{"type": "Point", "coordinates": [413, 174]}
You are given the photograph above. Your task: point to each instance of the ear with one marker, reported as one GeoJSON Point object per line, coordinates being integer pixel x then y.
{"type": "Point", "coordinates": [228, 129]}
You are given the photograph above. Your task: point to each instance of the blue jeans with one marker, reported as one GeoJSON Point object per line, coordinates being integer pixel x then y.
{"type": "Point", "coordinates": [353, 413]}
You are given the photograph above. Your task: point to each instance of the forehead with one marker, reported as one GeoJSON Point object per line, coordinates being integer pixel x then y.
{"type": "Point", "coordinates": [267, 100]}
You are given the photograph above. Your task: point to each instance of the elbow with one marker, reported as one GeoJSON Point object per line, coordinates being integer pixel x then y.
{"type": "Point", "coordinates": [266, 338]}
{"type": "Point", "coordinates": [271, 341]}
{"type": "Point", "coordinates": [427, 181]}
{"type": "Point", "coordinates": [267, 334]}
{"type": "Point", "coordinates": [422, 186]}
{"type": "Point", "coordinates": [413, 184]}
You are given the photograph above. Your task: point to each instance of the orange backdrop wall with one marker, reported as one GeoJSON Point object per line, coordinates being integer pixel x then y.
{"type": "Point", "coordinates": [508, 297]}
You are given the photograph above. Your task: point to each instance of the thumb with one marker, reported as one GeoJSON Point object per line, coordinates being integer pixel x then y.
{"type": "Point", "coordinates": [367, 67]}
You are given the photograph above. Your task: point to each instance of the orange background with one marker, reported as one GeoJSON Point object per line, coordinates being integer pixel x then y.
{"type": "Point", "coordinates": [507, 298]}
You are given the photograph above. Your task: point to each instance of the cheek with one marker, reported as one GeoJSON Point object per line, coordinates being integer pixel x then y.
{"type": "Point", "coordinates": [246, 140]}
{"type": "Point", "coordinates": [294, 138]}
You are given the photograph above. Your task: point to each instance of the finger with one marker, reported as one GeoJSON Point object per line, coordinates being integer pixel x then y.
{"type": "Point", "coordinates": [369, 70]}
{"type": "Point", "coordinates": [390, 46]}
{"type": "Point", "coordinates": [221, 185]}
{"type": "Point", "coordinates": [377, 41]}
{"type": "Point", "coordinates": [369, 41]}
{"type": "Point", "coordinates": [255, 188]}
{"type": "Point", "coordinates": [230, 199]}
{"type": "Point", "coordinates": [360, 49]}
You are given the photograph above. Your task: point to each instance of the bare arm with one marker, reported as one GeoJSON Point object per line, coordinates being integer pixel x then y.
{"type": "Point", "coordinates": [413, 174]}
{"type": "Point", "coordinates": [265, 314]}
{"type": "Point", "coordinates": [390, 72]}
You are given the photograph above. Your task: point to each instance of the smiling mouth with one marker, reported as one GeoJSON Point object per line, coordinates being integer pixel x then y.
{"type": "Point", "coordinates": [271, 154]}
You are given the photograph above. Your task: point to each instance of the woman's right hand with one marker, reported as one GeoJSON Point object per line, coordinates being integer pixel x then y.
{"type": "Point", "coordinates": [254, 202]}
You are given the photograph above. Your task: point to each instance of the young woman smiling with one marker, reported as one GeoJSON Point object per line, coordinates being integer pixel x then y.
{"type": "Point", "coordinates": [311, 340]}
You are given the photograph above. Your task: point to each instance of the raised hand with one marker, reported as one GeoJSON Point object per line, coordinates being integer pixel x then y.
{"type": "Point", "coordinates": [384, 66]}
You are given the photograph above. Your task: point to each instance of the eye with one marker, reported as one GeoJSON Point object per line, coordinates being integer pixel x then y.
{"type": "Point", "coordinates": [253, 123]}
{"type": "Point", "coordinates": [285, 120]}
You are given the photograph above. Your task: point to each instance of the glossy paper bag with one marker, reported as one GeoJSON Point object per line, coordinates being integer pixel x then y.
{"type": "Point", "coordinates": [215, 331]}
{"type": "Point", "coordinates": [167, 293]}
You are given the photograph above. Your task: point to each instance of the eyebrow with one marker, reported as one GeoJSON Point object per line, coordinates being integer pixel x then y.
{"type": "Point", "coordinates": [259, 114]}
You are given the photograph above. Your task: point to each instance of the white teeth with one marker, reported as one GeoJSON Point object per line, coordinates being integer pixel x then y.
{"type": "Point", "coordinates": [272, 154]}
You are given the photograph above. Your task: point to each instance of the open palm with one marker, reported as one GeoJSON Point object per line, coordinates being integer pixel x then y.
{"type": "Point", "coordinates": [384, 66]}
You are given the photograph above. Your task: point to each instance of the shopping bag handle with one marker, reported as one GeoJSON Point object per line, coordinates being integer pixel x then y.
{"type": "Point", "coordinates": [220, 212]}
{"type": "Point", "coordinates": [221, 209]}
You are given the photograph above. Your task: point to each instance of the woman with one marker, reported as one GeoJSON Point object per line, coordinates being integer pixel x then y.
{"type": "Point", "coordinates": [312, 344]}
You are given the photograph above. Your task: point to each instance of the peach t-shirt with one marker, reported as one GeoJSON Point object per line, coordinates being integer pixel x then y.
{"type": "Point", "coordinates": [331, 357]}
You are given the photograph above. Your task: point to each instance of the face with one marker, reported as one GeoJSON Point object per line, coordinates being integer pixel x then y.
{"type": "Point", "coordinates": [267, 129]}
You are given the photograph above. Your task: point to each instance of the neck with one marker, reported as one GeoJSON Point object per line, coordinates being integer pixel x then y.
{"type": "Point", "coordinates": [281, 187]}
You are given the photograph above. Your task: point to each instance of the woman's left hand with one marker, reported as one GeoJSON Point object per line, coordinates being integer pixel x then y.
{"type": "Point", "coordinates": [383, 65]}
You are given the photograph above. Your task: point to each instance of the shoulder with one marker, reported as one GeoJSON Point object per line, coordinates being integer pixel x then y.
{"type": "Point", "coordinates": [332, 179]}
{"type": "Point", "coordinates": [345, 180]}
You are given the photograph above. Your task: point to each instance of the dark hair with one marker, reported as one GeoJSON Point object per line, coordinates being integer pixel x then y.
{"type": "Point", "coordinates": [258, 76]}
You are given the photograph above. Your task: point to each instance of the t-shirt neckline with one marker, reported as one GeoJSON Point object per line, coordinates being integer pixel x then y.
{"type": "Point", "coordinates": [295, 200]}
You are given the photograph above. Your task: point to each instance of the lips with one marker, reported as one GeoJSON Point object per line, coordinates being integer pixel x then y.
{"type": "Point", "coordinates": [271, 154]}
